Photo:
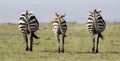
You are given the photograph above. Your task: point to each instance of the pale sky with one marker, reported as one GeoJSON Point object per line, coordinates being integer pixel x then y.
{"type": "Point", "coordinates": [75, 10]}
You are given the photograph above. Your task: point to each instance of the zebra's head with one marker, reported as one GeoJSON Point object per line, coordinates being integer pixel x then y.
{"type": "Point", "coordinates": [60, 17]}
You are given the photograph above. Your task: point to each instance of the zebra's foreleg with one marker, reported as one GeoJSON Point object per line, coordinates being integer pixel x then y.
{"type": "Point", "coordinates": [97, 44]}
{"type": "Point", "coordinates": [58, 40]}
{"type": "Point", "coordinates": [26, 41]}
{"type": "Point", "coordinates": [31, 41]}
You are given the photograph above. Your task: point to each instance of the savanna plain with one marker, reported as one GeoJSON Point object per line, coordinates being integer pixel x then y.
{"type": "Point", "coordinates": [78, 44]}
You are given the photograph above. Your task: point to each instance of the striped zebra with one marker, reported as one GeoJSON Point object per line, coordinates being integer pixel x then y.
{"type": "Point", "coordinates": [95, 25]}
{"type": "Point", "coordinates": [59, 28]}
{"type": "Point", "coordinates": [28, 24]}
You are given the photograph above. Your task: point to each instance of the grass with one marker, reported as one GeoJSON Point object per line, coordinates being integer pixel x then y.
{"type": "Point", "coordinates": [78, 44]}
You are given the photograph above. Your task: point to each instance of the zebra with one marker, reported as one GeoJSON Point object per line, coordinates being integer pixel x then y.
{"type": "Point", "coordinates": [59, 27]}
{"type": "Point", "coordinates": [28, 24]}
{"type": "Point", "coordinates": [95, 26]}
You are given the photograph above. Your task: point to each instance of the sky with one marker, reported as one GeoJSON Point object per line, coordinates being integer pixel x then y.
{"type": "Point", "coordinates": [75, 10]}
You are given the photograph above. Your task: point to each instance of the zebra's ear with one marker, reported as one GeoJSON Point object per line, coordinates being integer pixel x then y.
{"type": "Point", "coordinates": [90, 12]}
{"type": "Point", "coordinates": [63, 15]}
{"type": "Point", "coordinates": [23, 12]}
{"type": "Point", "coordinates": [56, 14]}
{"type": "Point", "coordinates": [99, 11]}
{"type": "Point", "coordinates": [31, 12]}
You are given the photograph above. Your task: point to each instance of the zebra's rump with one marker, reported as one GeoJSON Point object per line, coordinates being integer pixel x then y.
{"type": "Point", "coordinates": [25, 26]}
{"type": "Point", "coordinates": [89, 26]}
{"type": "Point", "coordinates": [98, 27]}
{"type": "Point", "coordinates": [33, 24]}
{"type": "Point", "coordinates": [56, 27]}
{"type": "Point", "coordinates": [22, 25]}
{"type": "Point", "coordinates": [64, 26]}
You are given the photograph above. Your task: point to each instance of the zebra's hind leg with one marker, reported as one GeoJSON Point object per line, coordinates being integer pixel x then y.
{"type": "Point", "coordinates": [31, 41]}
{"type": "Point", "coordinates": [97, 44]}
{"type": "Point", "coordinates": [93, 39]}
{"type": "Point", "coordinates": [58, 45]}
{"type": "Point", "coordinates": [58, 40]}
{"type": "Point", "coordinates": [63, 37]}
{"type": "Point", "coordinates": [26, 41]}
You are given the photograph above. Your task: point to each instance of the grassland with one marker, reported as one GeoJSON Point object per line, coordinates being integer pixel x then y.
{"type": "Point", "coordinates": [77, 44]}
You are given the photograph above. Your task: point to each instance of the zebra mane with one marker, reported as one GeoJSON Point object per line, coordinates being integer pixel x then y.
{"type": "Point", "coordinates": [29, 12]}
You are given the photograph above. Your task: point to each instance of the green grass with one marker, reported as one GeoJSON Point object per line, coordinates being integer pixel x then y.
{"type": "Point", "coordinates": [78, 44]}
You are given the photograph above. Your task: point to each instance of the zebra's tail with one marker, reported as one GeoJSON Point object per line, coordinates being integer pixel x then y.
{"type": "Point", "coordinates": [101, 36]}
{"type": "Point", "coordinates": [35, 36]}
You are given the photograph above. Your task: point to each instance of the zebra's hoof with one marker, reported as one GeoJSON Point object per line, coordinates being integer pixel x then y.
{"type": "Point", "coordinates": [58, 50]}
{"type": "Point", "coordinates": [93, 50]}
{"type": "Point", "coordinates": [27, 49]}
{"type": "Point", "coordinates": [31, 49]}
{"type": "Point", "coordinates": [62, 50]}
{"type": "Point", "coordinates": [97, 51]}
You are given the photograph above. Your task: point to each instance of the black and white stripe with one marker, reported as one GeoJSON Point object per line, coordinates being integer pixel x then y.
{"type": "Point", "coordinates": [28, 24]}
{"type": "Point", "coordinates": [59, 28]}
{"type": "Point", "coordinates": [95, 25]}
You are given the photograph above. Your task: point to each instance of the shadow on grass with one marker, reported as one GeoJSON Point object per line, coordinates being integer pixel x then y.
{"type": "Point", "coordinates": [69, 52]}
{"type": "Point", "coordinates": [98, 53]}
{"type": "Point", "coordinates": [111, 52]}
{"type": "Point", "coordinates": [90, 52]}
{"type": "Point", "coordinates": [85, 52]}
{"type": "Point", "coordinates": [52, 51]}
